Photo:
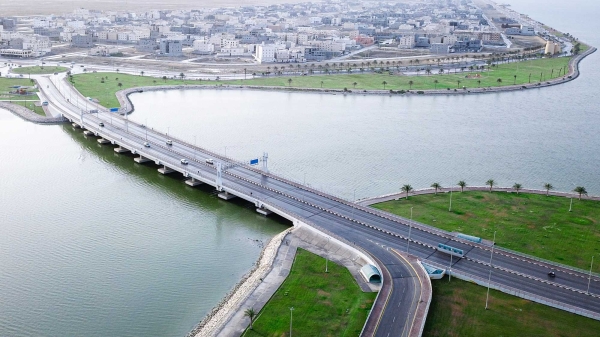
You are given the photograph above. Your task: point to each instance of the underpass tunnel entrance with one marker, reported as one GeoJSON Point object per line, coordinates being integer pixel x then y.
{"type": "Point", "coordinates": [370, 273]}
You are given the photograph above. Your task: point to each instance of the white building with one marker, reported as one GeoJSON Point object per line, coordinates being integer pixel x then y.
{"type": "Point", "coordinates": [203, 47]}
{"type": "Point", "coordinates": [265, 53]}
{"type": "Point", "coordinates": [407, 42]}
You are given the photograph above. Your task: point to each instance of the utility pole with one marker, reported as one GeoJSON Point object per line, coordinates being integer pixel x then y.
{"type": "Point", "coordinates": [590, 277]}
{"type": "Point", "coordinates": [450, 208]}
{"type": "Point", "coordinates": [291, 316]}
{"type": "Point", "coordinates": [409, 230]}
{"type": "Point", "coordinates": [487, 297]}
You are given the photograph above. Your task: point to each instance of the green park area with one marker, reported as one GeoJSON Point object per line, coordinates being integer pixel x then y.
{"type": "Point", "coordinates": [325, 304]}
{"type": "Point", "coordinates": [547, 68]}
{"type": "Point", "coordinates": [534, 224]}
{"type": "Point", "coordinates": [7, 93]}
{"type": "Point", "coordinates": [103, 86]}
{"type": "Point", "coordinates": [37, 70]}
{"type": "Point", "coordinates": [458, 309]}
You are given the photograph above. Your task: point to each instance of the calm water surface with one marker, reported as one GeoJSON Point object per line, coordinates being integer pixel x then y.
{"type": "Point", "coordinates": [93, 244]}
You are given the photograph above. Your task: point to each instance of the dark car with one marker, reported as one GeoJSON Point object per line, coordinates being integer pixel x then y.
{"type": "Point", "coordinates": [551, 273]}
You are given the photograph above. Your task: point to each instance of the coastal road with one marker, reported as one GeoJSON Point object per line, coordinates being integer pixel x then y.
{"type": "Point", "coordinates": [364, 227]}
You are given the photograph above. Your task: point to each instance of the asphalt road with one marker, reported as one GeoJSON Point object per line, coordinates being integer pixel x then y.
{"type": "Point", "coordinates": [366, 228]}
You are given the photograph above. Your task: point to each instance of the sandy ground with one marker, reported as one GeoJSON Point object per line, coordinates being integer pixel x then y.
{"type": "Point", "coordinates": [36, 7]}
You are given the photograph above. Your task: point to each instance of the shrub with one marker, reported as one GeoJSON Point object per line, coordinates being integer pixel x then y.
{"type": "Point", "coordinates": [420, 92]}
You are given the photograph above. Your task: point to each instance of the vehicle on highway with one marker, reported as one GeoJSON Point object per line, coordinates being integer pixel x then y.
{"type": "Point", "coordinates": [101, 124]}
{"type": "Point", "coordinates": [210, 161]}
{"type": "Point", "coordinates": [44, 103]}
{"type": "Point", "coordinates": [551, 273]}
{"type": "Point", "coordinates": [169, 142]}
{"type": "Point", "coordinates": [143, 125]}
{"type": "Point", "coordinates": [184, 161]}
{"type": "Point", "coordinates": [146, 144]}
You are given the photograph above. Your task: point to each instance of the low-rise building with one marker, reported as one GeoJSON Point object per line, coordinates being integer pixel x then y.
{"type": "Point", "coordinates": [82, 41]}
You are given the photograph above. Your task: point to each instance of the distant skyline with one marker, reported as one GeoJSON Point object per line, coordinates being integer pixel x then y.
{"type": "Point", "coordinates": [35, 7]}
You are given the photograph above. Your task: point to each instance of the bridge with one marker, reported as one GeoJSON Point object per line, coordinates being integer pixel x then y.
{"type": "Point", "coordinates": [377, 233]}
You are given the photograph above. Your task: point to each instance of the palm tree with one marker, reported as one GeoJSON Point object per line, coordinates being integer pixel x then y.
{"type": "Point", "coordinates": [441, 71]}
{"type": "Point", "coordinates": [142, 73]}
{"type": "Point", "coordinates": [517, 187]}
{"type": "Point", "coordinates": [491, 184]}
{"type": "Point", "coordinates": [458, 84]}
{"type": "Point", "coordinates": [384, 83]}
{"type": "Point", "coordinates": [435, 82]}
{"type": "Point", "coordinates": [581, 190]}
{"type": "Point", "coordinates": [120, 84]}
{"type": "Point", "coordinates": [410, 84]}
{"type": "Point", "coordinates": [548, 187]}
{"type": "Point", "coordinates": [354, 84]}
{"type": "Point", "coordinates": [250, 313]}
{"type": "Point", "coordinates": [478, 83]}
{"type": "Point", "coordinates": [462, 185]}
{"type": "Point", "coordinates": [164, 78]}
{"type": "Point", "coordinates": [515, 82]}
{"type": "Point", "coordinates": [289, 82]}
{"type": "Point", "coordinates": [321, 84]}
{"type": "Point", "coordinates": [436, 186]}
{"type": "Point", "coordinates": [407, 189]}
{"type": "Point", "coordinates": [499, 81]}
{"type": "Point", "coordinates": [182, 75]}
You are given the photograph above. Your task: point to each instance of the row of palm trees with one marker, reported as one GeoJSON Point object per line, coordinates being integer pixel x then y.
{"type": "Point", "coordinates": [491, 183]}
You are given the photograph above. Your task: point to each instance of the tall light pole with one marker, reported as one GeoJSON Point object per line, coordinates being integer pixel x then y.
{"type": "Point", "coordinates": [291, 316]}
{"type": "Point", "coordinates": [450, 269]}
{"type": "Point", "coordinates": [590, 277]}
{"type": "Point", "coordinates": [326, 259]}
{"type": "Point", "coordinates": [409, 230]}
{"type": "Point", "coordinates": [450, 208]}
{"type": "Point", "coordinates": [194, 147]}
{"type": "Point", "coordinates": [353, 201]}
{"type": "Point", "coordinates": [487, 297]}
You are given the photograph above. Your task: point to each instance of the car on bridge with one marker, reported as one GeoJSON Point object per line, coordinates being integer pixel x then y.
{"type": "Point", "coordinates": [101, 124]}
{"type": "Point", "coordinates": [146, 144]}
{"type": "Point", "coordinates": [184, 161]}
{"type": "Point", "coordinates": [210, 161]}
{"type": "Point", "coordinates": [169, 142]}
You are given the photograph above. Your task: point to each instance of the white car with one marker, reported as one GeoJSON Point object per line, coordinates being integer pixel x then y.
{"type": "Point", "coordinates": [210, 161]}
{"type": "Point", "coordinates": [169, 142]}
{"type": "Point", "coordinates": [146, 144]}
{"type": "Point", "coordinates": [184, 161]}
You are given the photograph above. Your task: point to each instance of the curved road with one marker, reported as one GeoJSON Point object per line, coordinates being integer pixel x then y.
{"type": "Point", "coordinates": [366, 228]}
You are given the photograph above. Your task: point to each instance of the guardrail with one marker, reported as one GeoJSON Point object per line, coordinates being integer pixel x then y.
{"type": "Point", "coordinates": [519, 293]}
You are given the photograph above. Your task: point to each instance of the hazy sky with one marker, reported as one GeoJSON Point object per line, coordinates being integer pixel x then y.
{"type": "Point", "coordinates": [32, 7]}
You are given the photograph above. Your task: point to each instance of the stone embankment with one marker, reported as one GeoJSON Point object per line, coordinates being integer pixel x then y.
{"type": "Point", "coordinates": [124, 101]}
{"type": "Point", "coordinates": [31, 116]}
{"type": "Point", "coordinates": [222, 312]}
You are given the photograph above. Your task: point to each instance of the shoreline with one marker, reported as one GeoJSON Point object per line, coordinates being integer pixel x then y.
{"type": "Point", "coordinates": [222, 312]}
{"type": "Point", "coordinates": [31, 116]}
{"type": "Point", "coordinates": [125, 101]}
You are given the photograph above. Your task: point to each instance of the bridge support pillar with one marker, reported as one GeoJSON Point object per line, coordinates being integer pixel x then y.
{"type": "Point", "coordinates": [88, 133]}
{"type": "Point", "coordinates": [141, 160]}
{"type": "Point", "coordinates": [75, 125]}
{"type": "Point", "coordinates": [226, 196]}
{"type": "Point", "coordinates": [165, 170]}
{"type": "Point", "coordinates": [193, 182]}
{"type": "Point", "coordinates": [103, 141]}
{"type": "Point", "coordinates": [263, 211]}
{"type": "Point", "coordinates": [121, 149]}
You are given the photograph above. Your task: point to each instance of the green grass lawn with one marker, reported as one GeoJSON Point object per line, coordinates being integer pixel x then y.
{"type": "Point", "coordinates": [371, 81]}
{"type": "Point", "coordinates": [458, 309]}
{"type": "Point", "coordinates": [90, 85]}
{"type": "Point", "coordinates": [31, 106]}
{"type": "Point", "coordinates": [37, 70]}
{"type": "Point", "coordinates": [325, 304]}
{"type": "Point", "coordinates": [529, 223]}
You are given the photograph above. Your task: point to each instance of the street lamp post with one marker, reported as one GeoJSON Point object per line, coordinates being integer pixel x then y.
{"type": "Point", "coordinates": [194, 147]}
{"type": "Point", "coordinates": [326, 259]}
{"type": "Point", "coordinates": [291, 316]}
{"type": "Point", "coordinates": [590, 277]}
{"type": "Point", "coordinates": [450, 269]}
{"type": "Point", "coordinates": [490, 275]}
{"type": "Point", "coordinates": [353, 201]}
{"type": "Point", "coordinates": [409, 230]}
{"type": "Point", "coordinates": [450, 208]}
{"type": "Point", "coordinates": [571, 204]}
